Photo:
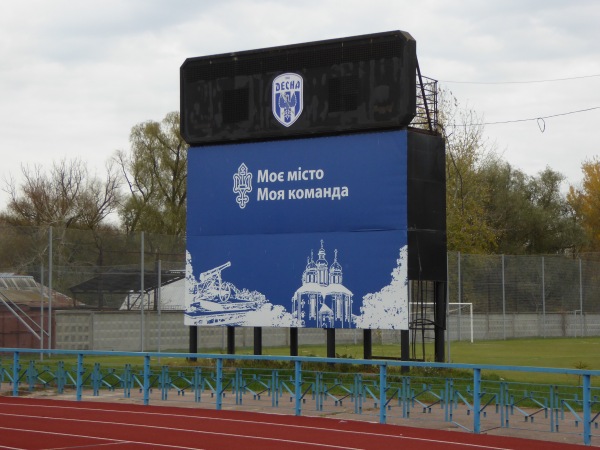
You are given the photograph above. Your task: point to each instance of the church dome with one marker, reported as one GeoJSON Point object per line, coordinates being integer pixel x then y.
{"type": "Point", "coordinates": [336, 268]}
{"type": "Point", "coordinates": [310, 273]}
{"type": "Point", "coordinates": [322, 261]}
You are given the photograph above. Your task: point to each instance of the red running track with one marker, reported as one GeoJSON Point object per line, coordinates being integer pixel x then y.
{"type": "Point", "coordinates": [37, 424]}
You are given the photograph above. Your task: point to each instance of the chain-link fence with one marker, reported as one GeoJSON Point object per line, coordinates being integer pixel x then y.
{"type": "Point", "coordinates": [511, 296]}
{"type": "Point", "coordinates": [92, 269]}
{"type": "Point", "coordinates": [539, 284]}
{"type": "Point", "coordinates": [520, 296]}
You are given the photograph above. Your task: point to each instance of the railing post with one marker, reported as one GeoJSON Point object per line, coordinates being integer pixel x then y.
{"type": "Point", "coordinates": [146, 379]}
{"type": "Point", "coordinates": [298, 387]}
{"type": "Point", "coordinates": [79, 386]}
{"type": "Point", "coordinates": [587, 409]}
{"type": "Point", "coordinates": [382, 391]}
{"type": "Point", "coordinates": [16, 370]}
{"type": "Point", "coordinates": [476, 400]}
{"type": "Point", "coordinates": [219, 382]}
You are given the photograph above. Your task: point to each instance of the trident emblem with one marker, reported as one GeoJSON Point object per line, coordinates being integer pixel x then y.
{"type": "Point", "coordinates": [242, 184]}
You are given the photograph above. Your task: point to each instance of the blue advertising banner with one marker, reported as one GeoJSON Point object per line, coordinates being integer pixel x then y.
{"type": "Point", "coordinates": [299, 233]}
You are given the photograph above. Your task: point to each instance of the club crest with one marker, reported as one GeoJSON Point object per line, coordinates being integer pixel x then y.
{"type": "Point", "coordinates": [288, 90]}
{"type": "Point", "coordinates": [242, 185]}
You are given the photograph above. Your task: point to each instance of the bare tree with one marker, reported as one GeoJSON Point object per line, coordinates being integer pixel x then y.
{"type": "Point", "coordinates": [66, 196]}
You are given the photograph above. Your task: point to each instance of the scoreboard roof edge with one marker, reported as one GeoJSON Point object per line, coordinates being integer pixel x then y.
{"type": "Point", "coordinates": [242, 53]}
{"type": "Point", "coordinates": [357, 83]}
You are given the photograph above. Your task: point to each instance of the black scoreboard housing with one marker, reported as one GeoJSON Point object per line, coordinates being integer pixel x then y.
{"type": "Point", "coordinates": [352, 84]}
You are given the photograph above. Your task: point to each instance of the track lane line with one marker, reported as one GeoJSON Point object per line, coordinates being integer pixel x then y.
{"type": "Point", "coordinates": [113, 441]}
{"type": "Point", "coordinates": [11, 448]}
{"type": "Point", "coordinates": [155, 427]}
{"type": "Point", "coordinates": [255, 422]}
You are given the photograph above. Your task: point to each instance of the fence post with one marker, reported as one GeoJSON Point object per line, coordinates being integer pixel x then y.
{"type": "Point", "coordinates": [382, 390]}
{"type": "Point", "coordinates": [459, 299]}
{"type": "Point", "coordinates": [16, 370]}
{"type": "Point", "coordinates": [447, 305]}
{"type": "Point", "coordinates": [298, 386]}
{"type": "Point", "coordinates": [543, 300]}
{"type": "Point", "coordinates": [581, 299]}
{"type": "Point", "coordinates": [158, 299]}
{"type": "Point", "coordinates": [142, 292]}
{"type": "Point", "coordinates": [503, 302]}
{"type": "Point", "coordinates": [42, 309]}
{"type": "Point", "coordinates": [476, 400]}
{"type": "Point", "coordinates": [219, 384]}
{"type": "Point", "coordinates": [79, 381]}
{"type": "Point", "coordinates": [146, 379]}
{"type": "Point", "coordinates": [50, 288]}
{"type": "Point", "coordinates": [587, 409]}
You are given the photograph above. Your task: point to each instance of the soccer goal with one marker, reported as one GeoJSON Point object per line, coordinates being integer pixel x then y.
{"type": "Point", "coordinates": [459, 318]}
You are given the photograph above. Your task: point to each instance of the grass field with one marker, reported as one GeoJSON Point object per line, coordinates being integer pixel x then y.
{"type": "Point", "coordinates": [570, 353]}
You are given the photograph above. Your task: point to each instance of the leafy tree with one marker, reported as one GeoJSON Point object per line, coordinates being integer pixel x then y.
{"type": "Point", "coordinates": [585, 201]}
{"type": "Point", "coordinates": [492, 207]}
{"type": "Point", "coordinates": [466, 193]}
{"type": "Point", "coordinates": [529, 213]}
{"type": "Point", "coordinates": [156, 174]}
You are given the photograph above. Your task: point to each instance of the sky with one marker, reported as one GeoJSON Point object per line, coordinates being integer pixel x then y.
{"type": "Point", "coordinates": [76, 76]}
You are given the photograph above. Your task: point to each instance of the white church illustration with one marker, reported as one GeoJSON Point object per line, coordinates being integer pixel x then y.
{"type": "Point", "coordinates": [323, 301]}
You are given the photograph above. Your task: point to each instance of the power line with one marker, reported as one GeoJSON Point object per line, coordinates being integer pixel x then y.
{"type": "Point", "coordinates": [521, 82]}
{"type": "Point", "coordinates": [543, 117]}
{"type": "Point", "coordinates": [541, 124]}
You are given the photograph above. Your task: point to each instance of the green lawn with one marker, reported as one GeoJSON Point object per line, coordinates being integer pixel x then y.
{"type": "Point", "coordinates": [570, 353]}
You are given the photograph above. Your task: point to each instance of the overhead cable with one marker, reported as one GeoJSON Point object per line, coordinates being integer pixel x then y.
{"type": "Point", "coordinates": [521, 82]}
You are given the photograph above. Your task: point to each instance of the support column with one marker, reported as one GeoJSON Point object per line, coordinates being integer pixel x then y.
{"type": "Point", "coordinates": [404, 349]}
{"type": "Point", "coordinates": [330, 342]}
{"type": "Point", "coordinates": [367, 343]}
{"type": "Point", "coordinates": [293, 341]}
{"type": "Point", "coordinates": [193, 343]}
{"type": "Point", "coordinates": [440, 320]}
{"type": "Point", "coordinates": [258, 340]}
{"type": "Point", "coordinates": [230, 340]}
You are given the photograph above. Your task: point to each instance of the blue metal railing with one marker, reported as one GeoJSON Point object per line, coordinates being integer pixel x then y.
{"type": "Point", "coordinates": [367, 380]}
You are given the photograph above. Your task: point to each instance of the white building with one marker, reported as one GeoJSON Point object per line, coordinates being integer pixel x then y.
{"type": "Point", "coordinates": [323, 301]}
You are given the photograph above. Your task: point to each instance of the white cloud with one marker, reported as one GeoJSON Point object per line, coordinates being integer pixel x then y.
{"type": "Point", "coordinates": [76, 76]}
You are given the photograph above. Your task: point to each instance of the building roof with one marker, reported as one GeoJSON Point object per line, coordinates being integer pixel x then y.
{"type": "Point", "coordinates": [124, 281]}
